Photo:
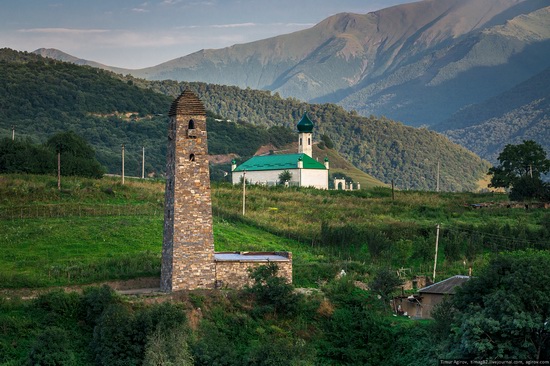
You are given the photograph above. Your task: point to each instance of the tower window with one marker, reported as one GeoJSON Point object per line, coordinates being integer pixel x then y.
{"type": "Point", "coordinates": [191, 132]}
{"type": "Point", "coordinates": [308, 141]}
{"type": "Point", "coordinates": [300, 141]}
{"type": "Point", "coordinates": [192, 157]}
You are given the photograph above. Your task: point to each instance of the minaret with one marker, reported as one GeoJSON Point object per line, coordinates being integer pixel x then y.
{"type": "Point", "coordinates": [305, 129]}
{"type": "Point", "coordinates": [188, 244]}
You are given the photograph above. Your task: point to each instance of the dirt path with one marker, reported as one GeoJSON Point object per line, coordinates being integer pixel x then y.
{"type": "Point", "coordinates": [135, 286]}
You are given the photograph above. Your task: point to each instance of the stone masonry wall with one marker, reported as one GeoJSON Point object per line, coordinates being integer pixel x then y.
{"type": "Point", "coordinates": [234, 274]}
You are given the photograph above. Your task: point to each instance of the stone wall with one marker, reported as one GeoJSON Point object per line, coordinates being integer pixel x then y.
{"type": "Point", "coordinates": [234, 274]}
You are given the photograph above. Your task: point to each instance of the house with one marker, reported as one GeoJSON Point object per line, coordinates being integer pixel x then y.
{"type": "Point", "coordinates": [421, 305]}
{"type": "Point", "coordinates": [304, 171]}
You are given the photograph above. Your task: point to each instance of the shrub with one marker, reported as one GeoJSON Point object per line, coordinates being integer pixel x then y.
{"type": "Point", "coordinates": [272, 292]}
{"type": "Point", "coordinates": [52, 347]}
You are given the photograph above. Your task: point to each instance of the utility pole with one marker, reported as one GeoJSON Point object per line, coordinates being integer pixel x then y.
{"type": "Point", "coordinates": [143, 162]}
{"type": "Point", "coordinates": [244, 192]}
{"type": "Point", "coordinates": [58, 170]}
{"type": "Point", "coordinates": [436, 247]}
{"type": "Point", "coordinates": [12, 133]}
{"type": "Point", "coordinates": [437, 183]}
{"type": "Point", "coordinates": [122, 163]}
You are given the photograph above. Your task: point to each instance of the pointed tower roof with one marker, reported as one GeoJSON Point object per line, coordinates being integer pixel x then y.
{"type": "Point", "coordinates": [305, 124]}
{"type": "Point", "coordinates": [187, 103]}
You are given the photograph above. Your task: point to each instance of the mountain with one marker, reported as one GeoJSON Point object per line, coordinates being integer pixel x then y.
{"type": "Point", "coordinates": [419, 63]}
{"type": "Point", "coordinates": [521, 113]}
{"type": "Point", "coordinates": [62, 56]}
{"type": "Point", "coordinates": [41, 96]}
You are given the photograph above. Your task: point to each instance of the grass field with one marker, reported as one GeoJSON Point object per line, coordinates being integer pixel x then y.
{"type": "Point", "coordinates": [96, 230]}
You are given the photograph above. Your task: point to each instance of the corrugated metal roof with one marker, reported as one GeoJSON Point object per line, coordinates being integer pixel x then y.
{"type": "Point", "coordinates": [447, 286]}
{"type": "Point", "coordinates": [187, 103]}
{"type": "Point", "coordinates": [249, 257]}
{"type": "Point", "coordinates": [277, 162]}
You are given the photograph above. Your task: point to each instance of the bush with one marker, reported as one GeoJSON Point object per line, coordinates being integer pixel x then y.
{"type": "Point", "coordinates": [52, 347]}
{"type": "Point", "coordinates": [272, 292]}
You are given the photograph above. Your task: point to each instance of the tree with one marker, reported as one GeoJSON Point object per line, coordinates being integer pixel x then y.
{"type": "Point", "coordinates": [77, 156]}
{"type": "Point", "coordinates": [384, 284]}
{"type": "Point", "coordinates": [285, 176]}
{"type": "Point", "coordinates": [22, 156]}
{"type": "Point", "coordinates": [520, 168]}
{"type": "Point", "coordinates": [504, 313]}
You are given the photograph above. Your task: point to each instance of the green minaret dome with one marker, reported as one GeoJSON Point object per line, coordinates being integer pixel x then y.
{"type": "Point", "coordinates": [305, 124]}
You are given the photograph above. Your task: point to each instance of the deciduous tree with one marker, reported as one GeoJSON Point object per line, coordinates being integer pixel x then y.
{"type": "Point", "coordinates": [520, 168]}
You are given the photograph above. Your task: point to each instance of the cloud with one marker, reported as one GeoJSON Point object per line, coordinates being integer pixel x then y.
{"type": "Point", "coordinates": [237, 25]}
{"type": "Point", "coordinates": [74, 31]}
{"type": "Point", "coordinates": [140, 10]}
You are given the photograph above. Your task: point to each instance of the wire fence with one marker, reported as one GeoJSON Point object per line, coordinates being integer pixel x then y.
{"type": "Point", "coordinates": [78, 210]}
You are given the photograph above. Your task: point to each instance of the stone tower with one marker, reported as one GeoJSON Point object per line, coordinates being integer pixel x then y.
{"type": "Point", "coordinates": [305, 132]}
{"type": "Point", "coordinates": [188, 244]}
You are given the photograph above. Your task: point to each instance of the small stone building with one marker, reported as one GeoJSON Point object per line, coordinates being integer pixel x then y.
{"type": "Point", "coordinates": [305, 171]}
{"type": "Point", "coordinates": [188, 258]}
{"type": "Point", "coordinates": [421, 305]}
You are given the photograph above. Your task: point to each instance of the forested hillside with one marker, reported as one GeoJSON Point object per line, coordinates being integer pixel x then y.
{"type": "Point", "coordinates": [42, 96]}
{"type": "Point", "coordinates": [383, 148]}
{"type": "Point", "coordinates": [522, 113]}
{"type": "Point", "coordinates": [39, 97]}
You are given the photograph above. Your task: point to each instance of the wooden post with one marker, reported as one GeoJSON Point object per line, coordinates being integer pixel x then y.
{"type": "Point", "coordinates": [122, 163]}
{"type": "Point", "coordinates": [143, 162]}
{"type": "Point", "coordinates": [13, 133]}
{"type": "Point", "coordinates": [58, 170]}
{"type": "Point", "coordinates": [392, 194]}
{"type": "Point", "coordinates": [437, 182]}
{"type": "Point", "coordinates": [244, 192]}
{"type": "Point", "coordinates": [436, 248]}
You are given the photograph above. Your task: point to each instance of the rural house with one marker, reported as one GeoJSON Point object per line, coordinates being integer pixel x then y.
{"type": "Point", "coordinates": [421, 305]}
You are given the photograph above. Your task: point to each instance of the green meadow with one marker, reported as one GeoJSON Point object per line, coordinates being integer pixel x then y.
{"type": "Point", "coordinates": [99, 230]}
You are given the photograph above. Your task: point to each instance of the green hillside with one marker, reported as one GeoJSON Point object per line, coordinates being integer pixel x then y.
{"type": "Point", "coordinates": [41, 97]}
{"type": "Point", "coordinates": [378, 146]}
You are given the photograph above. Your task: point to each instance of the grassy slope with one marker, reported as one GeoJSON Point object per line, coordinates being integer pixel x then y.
{"type": "Point", "coordinates": [124, 237]}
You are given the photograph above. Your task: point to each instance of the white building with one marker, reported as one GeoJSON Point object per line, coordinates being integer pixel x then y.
{"type": "Point", "coordinates": [304, 170]}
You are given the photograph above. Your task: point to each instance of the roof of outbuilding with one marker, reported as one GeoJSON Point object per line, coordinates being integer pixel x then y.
{"type": "Point", "coordinates": [187, 103]}
{"type": "Point", "coordinates": [279, 162]}
{"type": "Point", "coordinates": [447, 286]}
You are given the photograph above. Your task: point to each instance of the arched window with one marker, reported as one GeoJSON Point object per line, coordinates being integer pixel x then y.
{"type": "Point", "coordinates": [308, 141]}
{"type": "Point", "coordinates": [191, 132]}
{"type": "Point", "coordinates": [300, 141]}
{"type": "Point", "coordinates": [192, 157]}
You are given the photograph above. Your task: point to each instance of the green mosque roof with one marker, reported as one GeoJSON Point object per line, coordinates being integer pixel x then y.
{"type": "Point", "coordinates": [279, 162]}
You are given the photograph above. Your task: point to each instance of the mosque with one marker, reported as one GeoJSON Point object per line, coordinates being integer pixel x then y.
{"type": "Point", "coordinates": [304, 170]}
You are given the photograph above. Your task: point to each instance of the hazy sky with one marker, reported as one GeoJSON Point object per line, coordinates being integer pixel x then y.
{"type": "Point", "coordinates": [136, 34]}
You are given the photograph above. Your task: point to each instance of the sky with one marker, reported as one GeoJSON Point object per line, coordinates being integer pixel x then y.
{"type": "Point", "coordinates": [137, 34]}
